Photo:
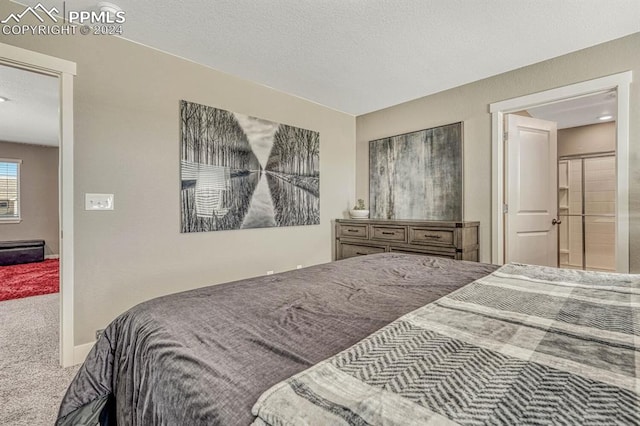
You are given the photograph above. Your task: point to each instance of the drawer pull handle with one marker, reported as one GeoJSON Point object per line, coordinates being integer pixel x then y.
{"type": "Point", "coordinates": [361, 253]}
{"type": "Point", "coordinates": [437, 237]}
{"type": "Point", "coordinates": [388, 233]}
{"type": "Point", "coordinates": [352, 230]}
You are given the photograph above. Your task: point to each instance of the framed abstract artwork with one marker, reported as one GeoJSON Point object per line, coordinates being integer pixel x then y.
{"type": "Point", "coordinates": [417, 175]}
{"type": "Point", "coordinates": [240, 172]}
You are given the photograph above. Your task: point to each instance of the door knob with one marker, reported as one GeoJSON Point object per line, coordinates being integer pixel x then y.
{"type": "Point", "coordinates": [556, 221]}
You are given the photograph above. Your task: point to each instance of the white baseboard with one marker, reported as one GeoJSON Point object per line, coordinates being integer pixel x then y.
{"type": "Point", "coordinates": [52, 256]}
{"type": "Point", "coordinates": [80, 352]}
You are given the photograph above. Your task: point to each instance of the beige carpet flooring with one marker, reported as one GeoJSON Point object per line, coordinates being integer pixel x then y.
{"type": "Point", "coordinates": [31, 381]}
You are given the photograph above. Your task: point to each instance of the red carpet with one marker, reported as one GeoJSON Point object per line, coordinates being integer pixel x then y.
{"type": "Point", "coordinates": [29, 279]}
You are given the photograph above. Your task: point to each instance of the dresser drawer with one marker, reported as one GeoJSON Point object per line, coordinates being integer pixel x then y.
{"type": "Point", "coordinates": [430, 236]}
{"type": "Point", "coordinates": [448, 255]}
{"type": "Point", "coordinates": [354, 231]}
{"type": "Point", "coordinates": [389, 233]}
{"type": "Point", "coordinates": [352, 250]}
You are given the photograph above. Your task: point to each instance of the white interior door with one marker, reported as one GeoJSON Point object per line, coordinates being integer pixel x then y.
{"type": "Point", "coordinates": [531, 232]}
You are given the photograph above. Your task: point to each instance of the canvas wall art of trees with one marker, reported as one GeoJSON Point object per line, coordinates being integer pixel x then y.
{"type": "Point", "coordinates": [240, 172]}
{"type": "Point", "coordinates": [417, 175]}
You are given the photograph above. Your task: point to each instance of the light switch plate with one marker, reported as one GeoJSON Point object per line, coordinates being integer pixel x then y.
{"type": "Point", "coordinates": [98, 201]}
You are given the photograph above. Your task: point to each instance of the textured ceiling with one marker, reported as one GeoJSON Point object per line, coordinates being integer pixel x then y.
{"type": "Point", "coordinates": [31, 114]}
{"type": "Point", "coordinates": [359, 56]}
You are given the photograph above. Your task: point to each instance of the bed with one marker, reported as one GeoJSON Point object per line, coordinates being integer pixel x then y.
{"type": "Point", "coordinates": [338, 344]}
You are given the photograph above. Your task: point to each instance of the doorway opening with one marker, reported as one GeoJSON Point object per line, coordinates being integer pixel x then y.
{"type": "Point", "coordinates": [585, 213]}
{"type": "Point", "coordinates": [598, 213]}
{"type": "Point", "coordinates": [63, 71]}
{"type": "Point", "coordinates": [29, 203]}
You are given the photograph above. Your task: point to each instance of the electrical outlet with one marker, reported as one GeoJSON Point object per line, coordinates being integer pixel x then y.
{"type": "Point", "coordinates": [269, 272]}
{"type": "Point", "coordinates": [99, 333]}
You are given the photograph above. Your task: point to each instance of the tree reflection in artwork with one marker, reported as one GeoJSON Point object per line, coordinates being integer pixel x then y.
{"type": "Point", "coordinates": [239, 171]}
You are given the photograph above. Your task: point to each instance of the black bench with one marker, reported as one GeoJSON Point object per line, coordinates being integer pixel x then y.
{"type": "Point", "coordinates": [15, 252]}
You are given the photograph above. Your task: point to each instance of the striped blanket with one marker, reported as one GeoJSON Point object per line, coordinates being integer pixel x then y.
{"type": "Point", "coordinates": [524, 345]}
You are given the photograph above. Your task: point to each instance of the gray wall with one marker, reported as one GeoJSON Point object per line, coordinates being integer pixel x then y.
{"type": "Point", "coordinates": [587, 139]}
{"type": "Point", "coordinates": [38, 195]}
{"type": "Point", "coordinates": [127, 143]}
{"type": "Point", "coordinates": [470, 103]}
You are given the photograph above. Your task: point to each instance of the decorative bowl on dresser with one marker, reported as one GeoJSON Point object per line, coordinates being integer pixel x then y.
{"type": "Point", "coordinates": [455, 240]}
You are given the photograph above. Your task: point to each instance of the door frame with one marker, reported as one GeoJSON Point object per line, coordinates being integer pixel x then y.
{"type": "Point", "coordinates": [65, 71]}
{"type": "Point", "coordinates": [620, 82]}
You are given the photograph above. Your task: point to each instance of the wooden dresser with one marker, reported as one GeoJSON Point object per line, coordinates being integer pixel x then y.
{"type": "Point", "coordinates": [455, 240]}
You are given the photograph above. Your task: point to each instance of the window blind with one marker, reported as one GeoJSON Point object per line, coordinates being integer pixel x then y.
{"type": "Point", "coordinates": [9, 189]}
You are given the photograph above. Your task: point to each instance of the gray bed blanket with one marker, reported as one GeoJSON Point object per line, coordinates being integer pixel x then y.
{"type": "Point", "coordinates": [203, 357]}
{"type": "Point", "coordinates": [525, 345]}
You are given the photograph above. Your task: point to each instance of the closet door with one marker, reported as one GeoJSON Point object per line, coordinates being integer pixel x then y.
{"type": "Point", "coordinates": [600, 213]}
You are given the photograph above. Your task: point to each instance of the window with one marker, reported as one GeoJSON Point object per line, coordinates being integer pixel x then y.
{"type": "Point", "coordinates": [9, 190]}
